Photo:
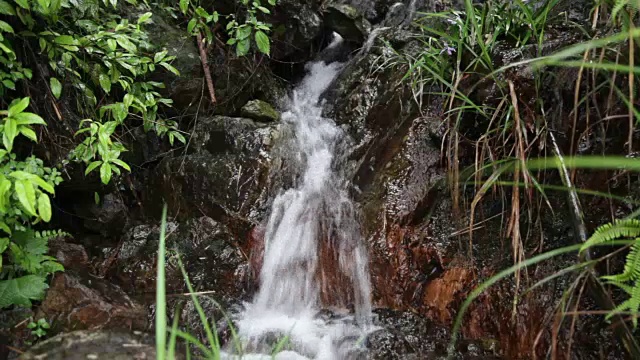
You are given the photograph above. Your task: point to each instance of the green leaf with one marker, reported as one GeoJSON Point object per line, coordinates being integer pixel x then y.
{"type": "Point", "coordinates": [144, 18]}
{"type": "Point", "coordinates": [126, 44]}
{"type": "Point", "coordinates": [202, 12]}
{"type": "Point", "coordinates": [65, 40]}
{"type": "Point", "coordinates": [27, 118]}
{"type": "Point", "coordinates": [10, 132]}
{"type": "Point", "coordinates": [21, 290]}
{"type": "Point", "coordinates": [105, 82]}
{"type": "Point", "coordinates": [244, 32]}
{"type": "Point", "coordinates": [4, 242]}
{"type": "Point", "coordinates": [192, 24]}
{"type": "Point", "coordinates": [5, 186]}
{"type": "Point", "coordinates": [18, 106]}
{"type": "Point", "coordinates": [6, 8]}
{"type": "Point", "coordinates": [24, 191]}
{"type": "Point", "coordinates": [23, 4]}
{"type": "Point", "coordinates": [26, 131]}
{"type": "Point", "coordinates": [9, 84]}
{"type": "Point", "coordinates": [262, 40]}
{"type": "Point", "coordinates": [92, 166]}
{"type": "Point", "coordinates": [242, 47]}
{"type": "Point", "coordinates": [56, 87]}
{"type": "Point", "coordinates": [264, 9]}
{"type": "Point", "coordinates": [122, 164]}
{"type": "Point", "coordinates": [96, 198]}
{"type": "Point", "coordinates": [5, 27]}
{"type": "Point", "coordinates": [159, 56]}
{"type": "Point", "coordinates": [170, 68]}
{"type": "Point", "coordinates": [44, 207]}
{"type": "Point", "coordinates": [184, 6]}
{"type": "Point", "coordinates": [105, 173]}
{"type": "Point", "coordinates": [272, 2]}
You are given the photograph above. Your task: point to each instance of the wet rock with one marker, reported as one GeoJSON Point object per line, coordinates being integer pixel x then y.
{"type": "Point", "coordinates": [83, 345]}
{"type": "Point", "coordinates": [185, 90]}
{"type": "Point", "coordinates": [225, 175]}
{"type": "Point", "coordinates": [71, 256]}
{"type": "Point", "coordinates": [348, 22]}
{"type": "Point", "coordinates": [205, 246]}
{"type": "Point", "coordinates": [297, 24]}
{"type": "Point", "coordinates": [83, 301]}
{"type": "Point", "coordinates": [260, 111]}
{"type": "Point", "coordinates": [109, 217]}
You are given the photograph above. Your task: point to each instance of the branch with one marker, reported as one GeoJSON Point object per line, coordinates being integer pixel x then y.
{"type": "Point", "coordinates": [205, 67]}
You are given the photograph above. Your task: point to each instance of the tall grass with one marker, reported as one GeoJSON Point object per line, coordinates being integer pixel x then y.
{"type": "Point", "coordinates": [512, 154]}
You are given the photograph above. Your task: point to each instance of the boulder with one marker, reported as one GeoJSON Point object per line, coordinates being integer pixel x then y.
{"type": "Point", "coordinates": [206, 247]}
{"type": "Point", "coordinates": [83, 345]}
{"type": "Point", "coordinates": [260, 111]}
{"type": "Point", "coordinates": [348, 22]}
{"type": "Point", "coordinates": [224, 176]}
{"type": "Point", "coordinates": [78, 301]}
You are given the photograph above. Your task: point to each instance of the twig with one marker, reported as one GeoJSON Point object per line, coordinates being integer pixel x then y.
{"type": "Point", "coordinates": [205, 67]}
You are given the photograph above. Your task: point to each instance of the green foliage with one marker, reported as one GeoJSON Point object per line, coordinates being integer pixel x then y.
{"type": "Point", "coordinates": [629, 280]}
{"type": "Point", "coordinates": [39, 328]}
{"type": "Point", "coordinates": [25, 187]}
{"type": "Point", "coordinates": [94, 53]}
{"type": "Point", "coordinates": [240, 30]}
{"type": "Point", "coordinates": [24, 279]}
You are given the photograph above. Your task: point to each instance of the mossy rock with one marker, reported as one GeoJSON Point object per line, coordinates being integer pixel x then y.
{"type": "Point", "coordinates": [260, 111]}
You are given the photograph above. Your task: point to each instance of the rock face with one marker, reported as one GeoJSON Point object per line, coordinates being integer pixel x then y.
{"type": "Point", "coordinates": [260, 111]}
{"type": "Point", "coordinates": [224, 176]}
{"type": "Point", "coordinates": [83, 345]}
{"type": "Point", "coordinates": [83, 301]}
{"type": "Point", "coordinates": [211, 258]}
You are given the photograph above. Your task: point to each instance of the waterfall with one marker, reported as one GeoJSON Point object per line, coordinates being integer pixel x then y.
{"type": "Point", "coordinates": [310, 223]}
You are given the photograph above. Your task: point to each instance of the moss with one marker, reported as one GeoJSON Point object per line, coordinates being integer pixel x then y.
{"type": "Point", "coordinates": [260, 111]}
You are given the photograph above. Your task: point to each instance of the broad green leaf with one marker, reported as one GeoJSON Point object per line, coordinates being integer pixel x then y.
{"type": "Point", "coordinates": [264, 9]}
{"type": "Point", "coordinates": [242, 47]}
{"type": "Point", "coordinates": [105, 173]}
{"type": "Point", "coordinates": [272, 2]}
{"type": "Point", "coordinates": [44, 207]}
{"type": "Point", "coordinates": [5, 186]}
{"type": "Point", "coordinates": [170, 68]}
{"type": "Point", "coordinates": [112, 44]}
{"type": "Point", "coordinates": [5, 27]}
{"type": "Point", "coordinates": [184, 6]}
{"type": "Point", "coordinates": [18, 106]}
{"type": "Point", "coordinates": [27, 132]}
{"type": "Point", "coordinates": [23, 4]}
{"type": "Point", "coordinates": [6, 8]}
{"type": "Point", "coordinates": [4, 227]}
{"type": "Point", "coordinates": [144, 18]}
{"type": "Point", "coordinates": [9, 134]}
{"type": "Point", "coordinates": [92, 166]}
{"type": "Point", "coordinates": [105, 82]}
{"type": "Point", "coordinates": [159, 56]}
{"type": "Point", "coordinates": [122, 164]}
{"type": "Point", "coordinates": [27, 118]}
{"type": "Point", "coordinates": [262, 40]}
{"type": "Point", "coordinates": [126, 44]}
{"type": "Point", "coordinates": [34, 179]}
{"type": "Point", "coordinates": [65, 40]}
{"type": "Point", "coordinates": [192, 24]}
{"type": "Point", "coordinates": [21, 290]}
{"type": "Point", "coordinates": [56, 87]}
{"type": "Point", "coordinates": [4, 242]}
{"type": "Point", "coordinates": [244, 32]}
{"type": "Point", "coordinates": [9, 84]}
{"type": "Point", "coordinates": [202, 12]}
{"type": "Point", "coordinates": [25, 195]}
{"type": "Point", "coordinates": [96, 198]}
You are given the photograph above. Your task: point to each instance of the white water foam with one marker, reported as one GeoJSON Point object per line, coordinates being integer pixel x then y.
{"type": "Point", "coordinates": [318, 208]}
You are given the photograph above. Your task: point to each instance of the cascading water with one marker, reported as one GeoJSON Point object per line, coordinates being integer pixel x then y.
{"type": "Point", "coordinates": [313, 218]}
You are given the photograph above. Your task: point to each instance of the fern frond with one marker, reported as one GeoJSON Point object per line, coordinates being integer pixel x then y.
{"type": "Point", "coordinates": [626, 228]}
